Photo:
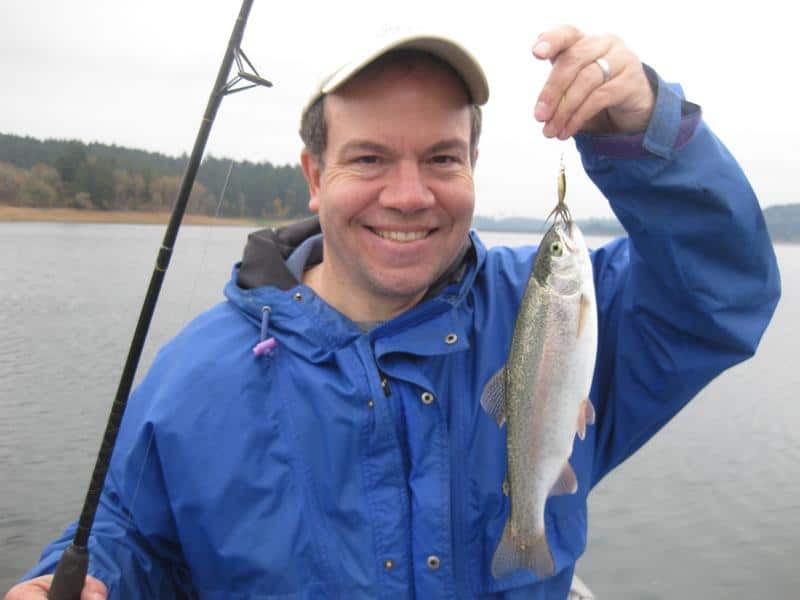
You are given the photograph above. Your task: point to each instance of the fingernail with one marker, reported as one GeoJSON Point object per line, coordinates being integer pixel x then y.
{"type": "Point", "coordinates": [542, 48]}
{"type": "Point", "coordinates": [549, 130]}
{"type": "Point", "coordinates": [540, 112]}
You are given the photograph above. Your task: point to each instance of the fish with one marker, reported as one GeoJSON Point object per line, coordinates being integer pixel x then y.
{"type": "Point", "coordinates": [542, 392]}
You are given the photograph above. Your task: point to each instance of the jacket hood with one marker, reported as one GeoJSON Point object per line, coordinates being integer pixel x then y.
{"type": "Point", "coordinates": [264, 260]}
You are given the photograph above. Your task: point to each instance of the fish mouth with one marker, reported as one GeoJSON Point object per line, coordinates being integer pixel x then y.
{"type": "Point", "coordinates": [568, 236]}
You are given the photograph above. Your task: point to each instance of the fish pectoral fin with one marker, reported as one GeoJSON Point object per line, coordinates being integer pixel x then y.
{"type": "Point", "coordinates": [493, 398]}
{"type": "Point", "coordinates": [566, 483]}
{"type": "Point", "coordinates": [588, 410]}
{"type": "Point", "coordinates": [580, 426]}
{"type": "Point", "coordinates": [586, 417]}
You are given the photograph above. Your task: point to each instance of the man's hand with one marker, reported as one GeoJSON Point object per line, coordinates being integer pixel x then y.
{"type": "Point", "coordinates": [36, 589]}
{"type": "Point", "coordinates": [575, 96]}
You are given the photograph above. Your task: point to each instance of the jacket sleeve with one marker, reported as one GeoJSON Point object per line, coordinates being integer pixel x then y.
{"type": "Point", "coordinates": [690, 291]}
{"type": "Point", "coordinates": [132, 547]}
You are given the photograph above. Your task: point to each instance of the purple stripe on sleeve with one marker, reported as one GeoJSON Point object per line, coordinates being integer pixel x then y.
{"type": "Point", "coordinates": [631, 146]}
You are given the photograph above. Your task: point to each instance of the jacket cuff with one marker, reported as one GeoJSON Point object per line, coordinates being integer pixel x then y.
{"type": "Point", "coordinates": [672, 124]}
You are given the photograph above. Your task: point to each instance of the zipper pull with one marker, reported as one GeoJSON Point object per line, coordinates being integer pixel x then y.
{"type": "Point", "coordinates": [387, 390]}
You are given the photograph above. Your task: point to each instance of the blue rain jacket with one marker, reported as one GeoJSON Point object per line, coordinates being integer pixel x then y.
{"type": "Point", "coordinates": [361, 465]}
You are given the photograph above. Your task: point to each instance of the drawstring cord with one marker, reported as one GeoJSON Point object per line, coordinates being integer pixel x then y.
{"type": "Point", "coordinates": [266, 345]}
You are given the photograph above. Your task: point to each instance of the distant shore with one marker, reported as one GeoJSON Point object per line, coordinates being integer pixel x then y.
{"type": "Point", "coordinates": [134, 217]}
{"type": "Point", "coordinates": [75, 215]}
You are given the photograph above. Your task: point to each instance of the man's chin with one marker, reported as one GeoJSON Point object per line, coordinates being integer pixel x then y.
{"type": "Point", "coordinates": [402, 290]}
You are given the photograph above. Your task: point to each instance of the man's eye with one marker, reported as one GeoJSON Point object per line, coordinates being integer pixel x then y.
{"type": "Point", "coordinates": [444, 159]}
{"type": "Point", "coordinates": [369, 159]}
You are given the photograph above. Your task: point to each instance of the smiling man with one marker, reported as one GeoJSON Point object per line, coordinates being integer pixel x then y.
{"type": "Point", "coordinates": [319, 434]}
{"type": "Point", "coordinates": [394, 187]}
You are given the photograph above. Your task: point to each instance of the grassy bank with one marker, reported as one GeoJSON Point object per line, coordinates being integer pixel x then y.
{"type": "Point", "coordinates": [73, 215]}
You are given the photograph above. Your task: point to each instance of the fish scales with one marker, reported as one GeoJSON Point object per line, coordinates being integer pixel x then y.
{"type": "Point", "coordinates": [541, 431]}
{"type": "Point", "coordinates": [542, 393]}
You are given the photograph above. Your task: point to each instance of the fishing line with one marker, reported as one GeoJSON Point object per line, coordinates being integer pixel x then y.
{"type": "Point", "coordinates": [70, 574]}
{"type": "Point", "coordinates": [175, 359]}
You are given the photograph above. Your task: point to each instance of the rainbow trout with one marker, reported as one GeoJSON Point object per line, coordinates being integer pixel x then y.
{"type": "Point", "coordinates": [542, 392]}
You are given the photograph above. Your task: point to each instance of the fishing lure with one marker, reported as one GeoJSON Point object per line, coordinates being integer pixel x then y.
{"type": "Point", "coordinates": [561, 210]}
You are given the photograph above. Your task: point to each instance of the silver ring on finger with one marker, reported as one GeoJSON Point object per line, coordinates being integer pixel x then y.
{"type": "Point", "coordinates": [604, 67]}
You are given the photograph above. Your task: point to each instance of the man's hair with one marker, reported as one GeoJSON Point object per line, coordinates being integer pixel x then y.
{"type": "Point", "coordinates": [314, 130]}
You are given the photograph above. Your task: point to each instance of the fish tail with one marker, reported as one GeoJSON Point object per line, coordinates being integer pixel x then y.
{"type": "Point", "coordinates": [512, 555]}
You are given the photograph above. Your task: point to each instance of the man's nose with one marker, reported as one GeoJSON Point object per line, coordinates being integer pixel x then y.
{"type": "Point", "coordinates": [407, 190]}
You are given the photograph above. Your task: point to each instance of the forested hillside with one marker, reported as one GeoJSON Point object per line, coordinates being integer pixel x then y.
{"type": "Point", "coordinates": [68, 173]}
{"type": "Point", "coordinates": [71, 174]}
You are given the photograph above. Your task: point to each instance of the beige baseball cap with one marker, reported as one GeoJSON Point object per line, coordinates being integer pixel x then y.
{"type": "Point", "coordinates": [448, 50]}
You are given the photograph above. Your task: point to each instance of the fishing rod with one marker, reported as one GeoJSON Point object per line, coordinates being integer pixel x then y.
{"type": "Point", "coordinates": [70, 574]}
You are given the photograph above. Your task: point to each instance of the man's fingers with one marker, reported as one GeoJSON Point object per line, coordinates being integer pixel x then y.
{"type": "Point", "coordinates": [594, 104]}
{"type": "Point", "coordinates": [93, 589]}
{"type": "Point", "coordinates": [578, 96]}
{"type": "Point", "coordinates": [33, 589]}
{"type": "Point", "coordinates": [585, 86]}
{"type": "Point", "coordinates": [551, 43]}
{"type": "Point", "coordinates": [37, 588]}
{"type": "Point", "coordinates": [569, 69]}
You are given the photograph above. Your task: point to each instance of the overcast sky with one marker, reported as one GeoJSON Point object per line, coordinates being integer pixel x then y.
{"type": "Point", "coordinates": [138, 74]}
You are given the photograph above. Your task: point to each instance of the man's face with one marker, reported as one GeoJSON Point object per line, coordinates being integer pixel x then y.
{"type": "Point", "coordinates": [396, 194]}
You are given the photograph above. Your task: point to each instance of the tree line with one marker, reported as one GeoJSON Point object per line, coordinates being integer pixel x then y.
{"type": "Point", "coordinates": [69, 173]}
{"type": "Point", "coordinates": [594, 226]}
{"type": "Point", "coordinates": [783, 224]}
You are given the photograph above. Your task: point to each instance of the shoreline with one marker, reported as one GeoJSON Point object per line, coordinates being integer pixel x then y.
{"type": "Point", "coordinates": [23, 214]}
{"type": "Point", "coordinates": [18, 214]}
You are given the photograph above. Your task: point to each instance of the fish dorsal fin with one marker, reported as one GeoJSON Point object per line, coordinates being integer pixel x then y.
{"type": "Point", "coordinates": [566, 483]}
{"type": "Point", "coordinates": [493, 398]}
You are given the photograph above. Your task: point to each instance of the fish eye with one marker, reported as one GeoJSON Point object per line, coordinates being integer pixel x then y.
{"type": "Point", "coordinates": [556, 249]}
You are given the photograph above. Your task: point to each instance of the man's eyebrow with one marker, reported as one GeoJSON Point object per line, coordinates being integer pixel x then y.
{"type": "Point", "coordinates": [364, 146]}
{"type": "Point", "coordinates": [454, 144]}
{"type": "Point", "coordinates": [372, 147]}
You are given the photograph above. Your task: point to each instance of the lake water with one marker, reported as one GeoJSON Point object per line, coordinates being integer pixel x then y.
{"type": "Point", "coordinates": [708, 509]}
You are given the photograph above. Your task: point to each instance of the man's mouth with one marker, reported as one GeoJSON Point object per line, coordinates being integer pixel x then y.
{"type": "Point", "coordinates": [403, 237]}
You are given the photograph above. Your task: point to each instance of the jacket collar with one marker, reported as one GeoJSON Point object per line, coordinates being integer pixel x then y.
{"type": "Point", "coordinates": [304, 322]}
{"type": "Point", "coordinates": [264, 260]}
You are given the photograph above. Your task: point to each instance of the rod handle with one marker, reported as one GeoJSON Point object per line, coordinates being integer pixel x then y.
{"type": "Point", "coordinates": [70, 574]}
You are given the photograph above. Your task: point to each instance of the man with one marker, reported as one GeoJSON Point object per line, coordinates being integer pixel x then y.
{"type": "Point", "coordinates": [349, 457]}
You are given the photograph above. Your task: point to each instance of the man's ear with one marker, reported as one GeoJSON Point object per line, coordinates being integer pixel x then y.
{"type": "Point", "coordinates": [313, 172]}
{"type": "Point", "coordinates": [474, 157]}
